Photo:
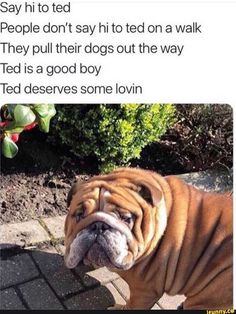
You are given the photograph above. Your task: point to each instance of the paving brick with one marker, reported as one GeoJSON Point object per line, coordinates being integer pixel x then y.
{"type": "Point", "coordinates": [90, 276]}
{"type": "Point", "coordinates": [60, 278]}
{"type": "Point", "coordinates": [56, 226]}
{"type": "Point", "coordinates": [116, 295]}
{"type": "Point", "coordinates": [82, 271]}
{"type": "Point", "coordinates": [96, 299]}
{"type": "Point", "coordinates": [61, 248]}
{"type": "Point", "coordinates": [47, 259]}
{"type": "Point", "coordinates": [103, 275]}
{"type": "Point", "coordinates": [122, 287]}
{"type": "Point", "coordinates": [171, 302]}
{"type": "Point", "coordinates": [16, 269]}
{"type": "Point", "coordinates": [39, 296]}
{"type": "Point", "coordinates": [156, 307]}
{"type": "Point", "coordinates": [9, 300]}
{"type": "Point", "coordinates": [22, 234]}
{"type": "Point", "coordinates": [99, 299]}
{"type": "Point", "coordinates": [166, 302]}
{"type": "Point", "coordinates": [125, 291]}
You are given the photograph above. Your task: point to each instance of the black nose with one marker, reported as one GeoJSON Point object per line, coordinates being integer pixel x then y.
{"type": "Point", "coordinates": [99, 226]}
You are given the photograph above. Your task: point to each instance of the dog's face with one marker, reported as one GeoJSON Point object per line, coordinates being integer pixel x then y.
{"type": "Point", "coordinates": [114, 220]}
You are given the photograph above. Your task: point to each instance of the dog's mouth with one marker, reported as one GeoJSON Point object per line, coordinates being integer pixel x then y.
{"type": "Point", "coordinates": [98, 257]}
{"type": "Point", "coordinates": [104, 246]}
{"type": "Point", "coordinates": [108, 249]}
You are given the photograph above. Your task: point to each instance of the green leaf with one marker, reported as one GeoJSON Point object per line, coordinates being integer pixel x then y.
{"type": "Point", "coordinates": [44, 110]}
{"type": "Point", "coordinates": [13, 128]}
{"type": "Point", "coordinates": [9, 148]}
{"type": "Point", "coordinates": [11, 108]}
{"type": "Point", "coordinates": [44, 124]}
{"type": "Point", "coordinates": [41, 110]}
{"type": "Point", "coordinates": [23, 115]}
{"type": "Point", "coordinates": [51, 110]}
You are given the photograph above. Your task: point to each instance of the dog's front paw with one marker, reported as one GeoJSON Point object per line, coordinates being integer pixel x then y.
{"type": "Point", "coordinates": [117, 307]}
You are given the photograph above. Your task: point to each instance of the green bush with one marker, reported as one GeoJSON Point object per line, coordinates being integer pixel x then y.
{"type": "Point", "coordinates": [114, 133]}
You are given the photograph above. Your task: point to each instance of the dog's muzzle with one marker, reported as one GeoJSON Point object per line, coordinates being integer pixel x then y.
{"type": "Point", "coordinates": [104, 242]}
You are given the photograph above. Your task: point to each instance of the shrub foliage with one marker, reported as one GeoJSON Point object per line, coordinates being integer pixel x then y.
{"type": "Point", "coordinates": [114, 133]}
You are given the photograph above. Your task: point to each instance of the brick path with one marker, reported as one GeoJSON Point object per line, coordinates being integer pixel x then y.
{"type": "Point", "coordinates": [34, 276]}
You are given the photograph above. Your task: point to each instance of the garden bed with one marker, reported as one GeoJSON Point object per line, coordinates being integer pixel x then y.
{"type": "Point", "coordinates": [36, 182]}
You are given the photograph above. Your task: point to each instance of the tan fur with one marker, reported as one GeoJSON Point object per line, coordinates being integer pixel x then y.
{"type": "Point", "coordinates": [190, 255]}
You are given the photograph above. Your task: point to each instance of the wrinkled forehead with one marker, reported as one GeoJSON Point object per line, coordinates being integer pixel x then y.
{"type": "Point", "coordinates": [98, 194]}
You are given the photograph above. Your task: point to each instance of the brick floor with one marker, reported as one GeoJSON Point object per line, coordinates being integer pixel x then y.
{"type": "Point", "coordinates": [90, 276]}
{"type": "Point", "coordinates": [122, 287]}
{"type": "Point", "coordinates": [116, 295]}
{"type": "Point", "coordinates": [98, 298]}
{"type": "Point", "coordinates": [156, 307]}
{"type": "Point", "coordinates": [52, 267]}
{"type": "Point", "coordinates": [38, 279]}
{"type": "Point", "coordinates": [88, 280]}
{"type": "Point", "coordinates": [56, 226]}
{"type": "Point", "coordinates": [9, 300]}
{"type": "Point", "coordinates": [171, 302]}
{"type": "Point", "coordinates": [60, 248]}
{"type": "Point", "coordinates": [103, 275]}
{"type": "Point", "coordinates": [22, 234]}
{"type": "Point", "coordinates": [17, 269]}
{"type": "Point", "coordinates": [39, 296]}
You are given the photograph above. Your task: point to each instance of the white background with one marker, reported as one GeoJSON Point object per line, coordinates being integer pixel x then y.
{"type": "Point", "coordinates": [204, 73]}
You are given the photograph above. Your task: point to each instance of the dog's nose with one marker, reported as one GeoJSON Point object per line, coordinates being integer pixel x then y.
{"type": "Point", "coordinates": [99, 226]}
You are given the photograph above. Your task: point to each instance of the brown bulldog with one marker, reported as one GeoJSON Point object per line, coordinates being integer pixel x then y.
{"type": "Point", "coordinates": [160, 234]}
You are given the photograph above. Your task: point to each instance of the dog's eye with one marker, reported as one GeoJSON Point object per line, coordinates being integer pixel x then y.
{"type": "Point", "coordinates": [128, 219]}
{"type": "Point", "coordinates": [78, 216]}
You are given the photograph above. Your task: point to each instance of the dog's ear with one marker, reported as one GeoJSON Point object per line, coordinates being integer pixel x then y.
{"type": "Point", "coordinates": [146, 194]}
{"type": "Point", "coordinates": [151, 194]}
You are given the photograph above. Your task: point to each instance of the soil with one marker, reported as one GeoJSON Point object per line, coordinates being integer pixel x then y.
{"type": "Point", "coordinates": [35, 183]}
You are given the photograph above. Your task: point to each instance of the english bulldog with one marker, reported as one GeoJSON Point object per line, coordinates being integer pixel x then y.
{"type": "Point", "coordinates": [159, 234]}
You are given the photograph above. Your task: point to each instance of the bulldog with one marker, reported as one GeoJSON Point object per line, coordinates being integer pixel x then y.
{"type": "Point", "coordinates": [160, 234]}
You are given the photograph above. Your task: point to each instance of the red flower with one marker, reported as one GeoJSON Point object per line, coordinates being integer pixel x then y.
{"type": "Point", "coordinates": [15, 137]}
